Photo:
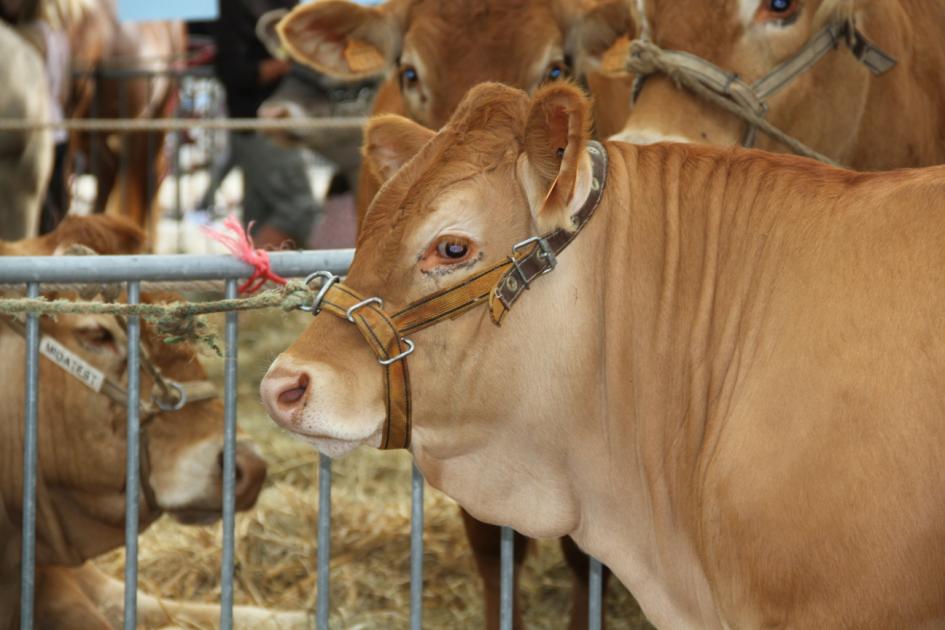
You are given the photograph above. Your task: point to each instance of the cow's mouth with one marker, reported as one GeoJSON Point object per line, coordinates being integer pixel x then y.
{"type": "Point", "coordinates": [195, 516]}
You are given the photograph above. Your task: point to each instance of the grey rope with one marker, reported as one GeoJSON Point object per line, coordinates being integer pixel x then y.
{"type": "Point", "coordinates": [175, 321]}
{"type": "Point", "coordinates": [647, 58]}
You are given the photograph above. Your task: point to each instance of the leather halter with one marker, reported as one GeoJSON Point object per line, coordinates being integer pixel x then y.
{"type": "Point", "coordinates": [499, 286]}
{"type": "Point", "coordinates": [753, 97]}
{"type": "Point", "coordinates": [160, 402]}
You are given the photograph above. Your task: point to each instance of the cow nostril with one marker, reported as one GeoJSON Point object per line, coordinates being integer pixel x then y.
{"type": "Point", "coordinates": [293, 395]}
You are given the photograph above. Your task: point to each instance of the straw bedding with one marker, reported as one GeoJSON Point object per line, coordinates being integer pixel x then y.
{"type": "Point", "coordinates": [370, 552]}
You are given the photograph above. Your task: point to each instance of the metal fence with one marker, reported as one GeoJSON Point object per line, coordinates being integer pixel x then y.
{"type": "Point", "coordinates": [135, 272]}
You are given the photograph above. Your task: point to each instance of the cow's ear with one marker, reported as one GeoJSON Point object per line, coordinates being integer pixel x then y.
{"type": "Point", "coordinates": [266, 32]}
{"type": "Point", "coordinates": [599, 38]}
{"type": "Point", "coordinates": [342, 39]}
{"type": "Point", "coordinates": [390, 141]}
{"type": "Point", "coordinates": [556, 169]}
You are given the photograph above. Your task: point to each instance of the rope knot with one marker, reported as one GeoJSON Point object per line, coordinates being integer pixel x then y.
{"type": "Point", "coordinates": [241, 245]}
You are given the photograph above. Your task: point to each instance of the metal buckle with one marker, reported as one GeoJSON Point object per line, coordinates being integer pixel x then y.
{"type": "Point", "coordinates": [547, 254]}
{"type": "Point", "coordinates": [402, 355]}
{"type": "Point", "coordinates": [177, 405]}
{"type": "Point", "coordinates": [328, 279]}
{"type": "Point", "coordinates": [372, 300]}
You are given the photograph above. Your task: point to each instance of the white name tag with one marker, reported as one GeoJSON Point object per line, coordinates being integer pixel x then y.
{"type": "Point", "coordinates": [71, 363]}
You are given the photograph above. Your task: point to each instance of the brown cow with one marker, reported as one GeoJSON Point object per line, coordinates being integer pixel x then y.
{"type": "Point", "coordinates": [731, 388]}
{"type": "Point", "coordinates": [837, 106]}
{"type": "Point", "coordinates": [128, 167]}
{"type": "Point", "coordinates": [433, 52]}
{"type": "Point", "coordinates": [80, 494]}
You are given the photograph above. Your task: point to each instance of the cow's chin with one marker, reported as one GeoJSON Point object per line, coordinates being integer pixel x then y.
{"type": "Point", "coordinates": [335, 434]}
{"type": "Point", "coordinates": [337, 448]}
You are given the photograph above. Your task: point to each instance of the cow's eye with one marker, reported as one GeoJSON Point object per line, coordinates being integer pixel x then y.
{"type": "Point", "coordinates": [409, 76]}
{"type": "Point", "coordinates": [452, 249]}
{"type": "Point", "coordinates": [95, 337]}
{"type": "Point", "coordinates": [556, 71]}
{"type": "Point", "coordinates": [447, 250]}
{"type": "Point", "coordinates": [778, 10]}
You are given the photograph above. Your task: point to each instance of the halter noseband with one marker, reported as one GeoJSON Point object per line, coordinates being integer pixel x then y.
{"type": "Point", "coordinates": [499, 286]}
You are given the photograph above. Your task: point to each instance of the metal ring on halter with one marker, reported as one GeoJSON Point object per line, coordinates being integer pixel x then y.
{"type": "Point", "coordinates": [162, 402]}
{"type": "Point", "coordinates": [328, 279]}
{"type": "Point", "coordinates": [402, 355]}
{"type": "Point", "coordinates": [547, 254]}
{"type": "Point", "coordinates": [372, 300]}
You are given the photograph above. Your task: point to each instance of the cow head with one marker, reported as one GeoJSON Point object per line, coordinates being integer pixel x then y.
{"type": "Point", "coordinates": [82, 433]}
{"type": "Point", "coordinates": [436, 51]}
{"type": "Point", "coordinates": [455, 202]}
{"type": "Point", "coordinates": [824, 106]}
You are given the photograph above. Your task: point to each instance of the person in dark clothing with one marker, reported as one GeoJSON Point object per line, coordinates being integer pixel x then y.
{"type": "Point", "coordinates": [277, 197]}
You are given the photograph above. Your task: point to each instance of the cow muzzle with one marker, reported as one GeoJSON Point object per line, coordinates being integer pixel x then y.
{"type": "Point", "coordinates": [318, 405]}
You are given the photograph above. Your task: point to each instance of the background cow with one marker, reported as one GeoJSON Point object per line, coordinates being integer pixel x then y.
{"type": "Point", "coordinates": [730, 388]}
{"type": "Point", "coordinates": [25, 157]}
{"type": "Point", "coordinates": [838, 106]}
{"type": "Point", "coordinates": [101, 43]}
{"type": "Point", "coordinates": [80, 494]}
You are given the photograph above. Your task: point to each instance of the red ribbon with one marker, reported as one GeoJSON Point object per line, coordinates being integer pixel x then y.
{"type": "Point", "coordinates": [241, 245]}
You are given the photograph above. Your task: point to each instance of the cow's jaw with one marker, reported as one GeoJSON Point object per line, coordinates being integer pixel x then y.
{"type": "Point", "coordinates": [319, 409]}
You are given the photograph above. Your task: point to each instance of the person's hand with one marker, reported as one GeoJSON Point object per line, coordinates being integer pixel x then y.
{"type": "Point", "coordinates": [271, 70]}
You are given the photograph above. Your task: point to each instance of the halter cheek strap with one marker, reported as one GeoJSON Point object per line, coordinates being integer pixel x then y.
{"type": "Point", "coordinates": [749, 101]}
{"type": "Point", "coordinates": [498, 286]}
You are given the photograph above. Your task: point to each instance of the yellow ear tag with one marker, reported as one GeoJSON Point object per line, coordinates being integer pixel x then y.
{"type": "Point", "coordinates": [363, 57]}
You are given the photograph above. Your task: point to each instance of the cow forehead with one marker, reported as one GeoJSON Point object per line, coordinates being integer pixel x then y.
{"type": "Point", "coordinates": [492, 39]}
{"type": "Point", "coordinates": [706, 29]}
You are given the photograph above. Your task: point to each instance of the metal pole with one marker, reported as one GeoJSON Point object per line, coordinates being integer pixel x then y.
{"type": "Point", "coordinates": [30, 459]}
{"type": "Point", "coordinates": [506, 582]}
{"type": "Point", "coordinates": [416, 551]}
{"type": "Point", "coordinates": [229, 463]}
{"type": "Point", "coordinates": [124, 153]}
{"type": "Point", "coordinates": [324, 542]}
{"type": "Point", "coordinates": [132, 464]}
{"type": "Point", "coordinates": [595, 596]}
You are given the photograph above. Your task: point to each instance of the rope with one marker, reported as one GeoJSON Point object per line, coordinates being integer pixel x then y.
{"type": "Point", "coordinates": [175, 321]}
{"type": "Point", "coordinates": [231, 124]}
{"type": "Point", "coordinates": [647, 58]}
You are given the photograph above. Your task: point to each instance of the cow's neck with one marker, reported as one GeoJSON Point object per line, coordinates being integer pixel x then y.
{"type": "Point", "coordinates": [687, 237]}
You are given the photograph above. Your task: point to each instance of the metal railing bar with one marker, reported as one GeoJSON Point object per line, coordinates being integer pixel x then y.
{"type": "Point", "coordinates": [30, 460]}
{"type": "Point", "coordinates": [104, 269]}
{"type": "Point", "coordinates": [324, 542]}
{"type": "Point", "coordinates": [120, 125]}
{"type": "Point", "coordinates": [229, 463]}
{"type": "Point", "coordinates": [507, 578]}
{"type": "Point", "coordinates": [132, 462]}
{"type": "Point", "coordinates": [416, 550]}
{"type": "Point", "coordinates": [595, 596]}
